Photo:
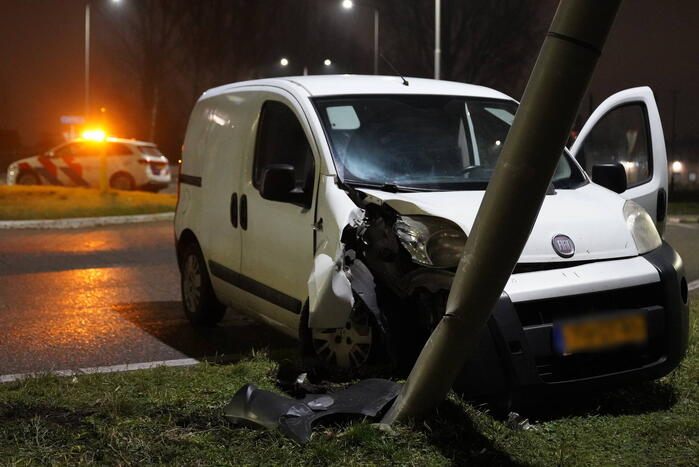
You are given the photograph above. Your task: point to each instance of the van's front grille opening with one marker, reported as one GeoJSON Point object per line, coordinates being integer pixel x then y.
{"type": "Point", "coordinates": [539, 317]}
{"type": "Point", "coordinates": [545, 311]}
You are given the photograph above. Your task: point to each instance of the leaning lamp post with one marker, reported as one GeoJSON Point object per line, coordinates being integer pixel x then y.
{"type": "Point", "coordinates": [512, 201]}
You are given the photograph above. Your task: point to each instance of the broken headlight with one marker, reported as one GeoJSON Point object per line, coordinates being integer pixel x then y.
{"type": "Point", "coordinates": [641, 226]}
{"type": "Point", "coordinates": [431, 241]}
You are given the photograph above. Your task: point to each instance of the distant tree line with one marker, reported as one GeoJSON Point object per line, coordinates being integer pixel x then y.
{"type": "Point", "coordinates": [176, 49]}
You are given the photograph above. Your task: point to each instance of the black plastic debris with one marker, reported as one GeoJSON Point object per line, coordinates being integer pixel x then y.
{"type": "Point", "coordinates": [295, 417]}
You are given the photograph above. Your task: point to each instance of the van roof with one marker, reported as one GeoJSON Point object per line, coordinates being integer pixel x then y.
{"type": "Point", "coordinates": [335, 85]}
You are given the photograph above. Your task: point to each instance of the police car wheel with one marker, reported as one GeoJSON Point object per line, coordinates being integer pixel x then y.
{"type": "Point", "coordinates": [27, 178]}
{"type": "Point", "coordinates": [122, 181]}
{"type": "Point", "coordinates": [201, 306]}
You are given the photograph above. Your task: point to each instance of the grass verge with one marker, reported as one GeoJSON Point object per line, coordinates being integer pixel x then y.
{"type": "Point", "coordinates": [174, 416]}
{"type": "Point", "coordinates": [54, 202]}
{"type": "Point", "coordinates": [681, 208]}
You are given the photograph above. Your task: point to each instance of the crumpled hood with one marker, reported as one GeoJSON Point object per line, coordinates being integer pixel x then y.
{"type": "Point", "coordinates": [591, 216]}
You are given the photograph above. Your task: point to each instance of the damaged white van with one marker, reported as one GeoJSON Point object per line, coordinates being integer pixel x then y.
{"type": "Point", "coordinates": [336, 208]}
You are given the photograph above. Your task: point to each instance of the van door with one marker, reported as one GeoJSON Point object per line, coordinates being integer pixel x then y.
{"type": "Point", "coordinates": [626, 128]}
{"type": "Point", "coordinates": [277, 235]}
{"type": "Point", "coordinates": [223, 156]}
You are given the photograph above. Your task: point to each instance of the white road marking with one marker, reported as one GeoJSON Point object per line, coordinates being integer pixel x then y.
{"type": "Point", "coordinates": [693, 285]}
{"type": "Point", "coordinates": [685, 225]}
{"type": "Point", "coordinates": [102, 369]}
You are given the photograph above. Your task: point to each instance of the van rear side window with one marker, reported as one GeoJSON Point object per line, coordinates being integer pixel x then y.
{"type": "Point", "coordinates": [281, 140]}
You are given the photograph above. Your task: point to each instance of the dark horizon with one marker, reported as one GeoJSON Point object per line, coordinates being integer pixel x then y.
{"type": "Point", "coordinates": [41, 48]}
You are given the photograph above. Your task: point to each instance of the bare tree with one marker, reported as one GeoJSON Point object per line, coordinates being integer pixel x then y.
{"type": "Point", "coordinates": [150, 39]}
{"type": "Point", "coordinates": [491, 42]}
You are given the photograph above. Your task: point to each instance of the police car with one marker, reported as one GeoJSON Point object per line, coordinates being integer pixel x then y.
{"type": "Point", "coordinates": [131, 165]}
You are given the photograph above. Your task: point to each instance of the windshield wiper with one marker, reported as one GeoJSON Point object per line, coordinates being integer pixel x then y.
{"type": "Point", "coordinates": [389, 187]}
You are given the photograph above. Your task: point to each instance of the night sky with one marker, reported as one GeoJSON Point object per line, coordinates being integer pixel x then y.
{"type": "Point", "coordinates": [41, 61]}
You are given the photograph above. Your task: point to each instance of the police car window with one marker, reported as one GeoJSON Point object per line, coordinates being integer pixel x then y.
{"type": "Point", "coordinates": [150, 150]}
{"type": "Point", "coordinates": [87, 149]}
{"type": "Point", "coordinates": [118, 149]}
{"type": "Point", "coordinates": [66, 151]}
{"type": "Point", "coordinates": [281, 140]}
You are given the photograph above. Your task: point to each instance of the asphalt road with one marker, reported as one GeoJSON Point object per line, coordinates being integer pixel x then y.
{"type": "Point", "coordinates": [73, 299]}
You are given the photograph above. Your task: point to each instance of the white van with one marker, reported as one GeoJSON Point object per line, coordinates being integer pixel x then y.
{"type": "Point", "coordinates": [335, 208]}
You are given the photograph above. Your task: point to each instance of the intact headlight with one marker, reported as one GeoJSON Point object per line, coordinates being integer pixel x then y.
{"type": "Point", "coordinates": [431, 241]}
{"type": "Point", "coordinates": [642, 228]}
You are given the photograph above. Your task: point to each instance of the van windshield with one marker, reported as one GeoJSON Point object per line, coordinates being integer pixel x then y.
{"type": "Point", "coordinates": [422, 142]}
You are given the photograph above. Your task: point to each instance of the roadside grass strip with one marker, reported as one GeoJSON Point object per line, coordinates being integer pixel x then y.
{"type": "Point", "coordinates": [54, 202]}
{"type": "Point", "coordinates": [690, 208]}
{"type": "Point", "coordinates": [173, 415]}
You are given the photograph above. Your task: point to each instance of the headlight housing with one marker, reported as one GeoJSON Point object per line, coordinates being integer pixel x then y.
{"type": "Point", "coordinates": [12, 171]}
{"type": "Point", "coordinates": [642, 228]}
{"type": "Point", "coordinates": [431, 241]}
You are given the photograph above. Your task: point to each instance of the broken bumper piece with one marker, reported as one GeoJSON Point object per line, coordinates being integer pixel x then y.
{"type": "Point", "coordinates": [295, 417]}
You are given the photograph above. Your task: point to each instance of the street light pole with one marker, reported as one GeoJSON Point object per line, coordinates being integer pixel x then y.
{"type": "Point", "coordinates": [376, 41]}
{"type": "Point", "coordinates": [523, 172]}
{"type": "Point", "coordinates": [437, 38]}
{"type": "Point", "coordinates": [349, 4]}
{"type": "Point", "coordinates": [87, 60]}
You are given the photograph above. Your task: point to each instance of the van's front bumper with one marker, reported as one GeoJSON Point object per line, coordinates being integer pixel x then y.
{"type": "Point", "coordinates": [516, 350]}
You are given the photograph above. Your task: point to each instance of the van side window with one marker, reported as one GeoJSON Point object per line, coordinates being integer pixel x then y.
{"type": "Point", "coordinates": [281, 140]}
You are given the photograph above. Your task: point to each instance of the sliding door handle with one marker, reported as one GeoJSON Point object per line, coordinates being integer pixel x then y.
{"type": "Point", "coordinates": [234, 210]}
{"type": "Point", "coordinates": [244, 212]}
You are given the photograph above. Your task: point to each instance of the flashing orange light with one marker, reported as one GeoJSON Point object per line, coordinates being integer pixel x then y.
{"type": "Point", "coordinates": [94, 135]}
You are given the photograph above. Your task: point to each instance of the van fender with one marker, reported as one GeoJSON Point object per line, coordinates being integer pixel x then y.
{"type": "Point", "coordinates": [330, 288]}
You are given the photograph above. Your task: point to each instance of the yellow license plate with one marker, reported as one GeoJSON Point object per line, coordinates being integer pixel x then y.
{"type": "Point", "coordinates": [600, 334]}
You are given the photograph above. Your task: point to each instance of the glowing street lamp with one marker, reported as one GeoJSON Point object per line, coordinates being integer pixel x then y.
{"type": "Point", "coordinates": [348, 5]}
{"type": "Point", "coordinates": [327, 62]}
{"type": "Point", "coordinates": [677, 167]}
{"type": "Point", "coordinates": [283, 62]}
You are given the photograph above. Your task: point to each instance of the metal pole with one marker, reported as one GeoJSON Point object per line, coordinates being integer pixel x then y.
{"type": "Point", "coordinates": [87, 60]}
{"type": "Point", "coordinates": [437, 38]}
{"type": "Point", "coordinates": [523, 173]}
{"type": "Point", "coordinates": [104, 183]}
{"type": "Point", "coordinates": [376, 41]}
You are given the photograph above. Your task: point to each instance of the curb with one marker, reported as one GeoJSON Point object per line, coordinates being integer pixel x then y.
{"type": "Point", "coordinates": [683, 219]}
{"type": "Point", "coordinates": [102, 369]}
{"type": "Point", "coordinates": [81, 222]}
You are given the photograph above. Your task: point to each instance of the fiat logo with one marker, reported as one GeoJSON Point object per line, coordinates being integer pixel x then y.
{"type": "Point", "coordinates": [563, 246]}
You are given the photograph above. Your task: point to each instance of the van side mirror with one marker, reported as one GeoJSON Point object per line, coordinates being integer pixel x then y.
{"type": "Point", "coordinates": [278, 182]}
{"type": "Point", "coordinates": [612, 176]}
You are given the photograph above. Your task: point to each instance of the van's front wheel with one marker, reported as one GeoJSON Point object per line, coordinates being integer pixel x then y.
{"type": "Point", "coordinates": [201, 306]}
{"type": "Point", "coordinates": [351, 347]}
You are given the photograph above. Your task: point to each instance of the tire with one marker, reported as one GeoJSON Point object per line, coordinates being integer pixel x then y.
{"type": "Point", "coordinates": [122, 181]}
{"type": "Point", "coordinates": [317, 345]}
{"type": "Point", "coordinates": [199, 302]}
{"type": "Point", "coordinates": [27, 178]}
